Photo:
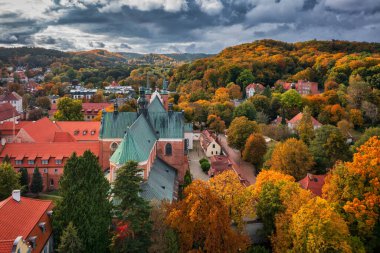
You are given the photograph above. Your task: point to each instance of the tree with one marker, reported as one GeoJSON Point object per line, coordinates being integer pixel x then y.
{"type": "Point", "coordinates": [246, 109]}
{"type": "Point", "coordinates": [353, 188]}
{"type": "Point", "coordinates": [292, 157]}
{"type": "Point", "coordinates": [371, 111]}
{"type": "Point", "coordinates": [255, 149]}
{"type": "Point", "coordinates": [134, 229]}
{"type": "Point", "coordinates": [35, 114]}
{"type": "Point", "coordinates": [205, 166]}
{"type": "Point", "coordinates": [368, 133]}
{"type": "Point", "coordinates": [305, 126]}
{"type": "Point", "coordinates": [221, 95]}
{"type": "Point", "coordinates": [235, 196]}
{"type": "Point", "coordinates": [234, 91]}
{"type": "Point", "coordinates": [203, 223]}
{"type": "Point", "coordinates": [216, 124]}
{"type": "Point", "coordinates": [316, 227]}
{"type": "Point", "coordinates": [291, 102]}
{"type": "Point", "coordinates": [261, 103]}
{"type": "Point", "coordinates": [239, 131]}
{"type": "Point", "coordinates": [356, 117]}
{"type": "Point", "coordinates": [43, 102]}
{"type": "Point", "coordinates": [85, 202]}
{"type": "Point", "coordinates": [36, 186]}
{"type": "Point", "coordinates": [69, 110]}
{"type": "Point", "coordinates": [328, 146]}
{"type": "Point", "coordinates": [358, 91]}
{"type": "Point", "coordinates": [245, 78]}
{"type": "Point", "coordinates": [70, 241]}
{"type": "Point", "coordinates": [24, 180]}
{"type": "Point", "coordinates": [9, 180]}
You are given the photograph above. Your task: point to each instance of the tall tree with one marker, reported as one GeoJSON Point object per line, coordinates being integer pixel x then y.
{"type": "Point", "coordinates": [215, 123]}
{"type": "Point", "coordinates": [9, 180]}
{"type": "Point", "coordinates": [203, 223]}
{"type": "Point", "coordinates": [70, 241]}
{"type": "Point", "coordinates": [291, 101]}
{"type": "Point", "coordinates": [245, 109]}
{"type": "Point", "coordinates": [239, 131]}
{"type": "Point", "coordinates": [36, 186]}
{"type": "Point", "coordinates": [69, 110]}
{"type": "Point", "coordinates": [292, 157]}
{"type": "Point", "coordinates": [255, 149]}
{"type": "Point", "coordinates": [134, 228]}
{"type": "Point", "coordinates": [305, 126]}
{"type": "Point", "coordinates": [85, 202]}
{"type": "Point", "coordinates": [245, 78]}
{"type": "Point", "coordinates": [24, 180]}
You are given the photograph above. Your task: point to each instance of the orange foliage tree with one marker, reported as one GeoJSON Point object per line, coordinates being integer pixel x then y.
{"type": "Point", "coordinates": [255, 149]}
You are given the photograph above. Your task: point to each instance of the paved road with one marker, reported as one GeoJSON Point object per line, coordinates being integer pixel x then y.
{"type": "Point", "coordinates": [246, 170]}
{"type": "Point", "coordinates": [195, 168]}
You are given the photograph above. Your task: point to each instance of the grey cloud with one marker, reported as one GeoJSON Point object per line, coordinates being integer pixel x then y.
{"type": "Point", "coordinates": [96, 44]}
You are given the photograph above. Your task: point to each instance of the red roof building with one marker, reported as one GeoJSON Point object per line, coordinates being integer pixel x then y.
{"type": "Point", "coordinates": [8, 130]}
{"type": "Point", "coordinates": [253, 89]}
{"type": "Point", "coordinates": [219, 163]}
{"type": "Point", "coordinates": [25, 224]}
{"type": "Point", "coordinates": [292, 124]}
{"type": "Point", "coordinates": [314, 183]}
{"type": "Point", "coordinates": [8, 113]}
{"type": "Point", "coordinates": [89, 110]}
{"type": "Point", "coordinates": [210, 144]}
{"type": "Point", "coordinates": [303, 87]}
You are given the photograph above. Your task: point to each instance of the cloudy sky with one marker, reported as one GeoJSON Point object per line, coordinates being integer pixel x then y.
{"type": "Point", "coordinates": [163, 26]}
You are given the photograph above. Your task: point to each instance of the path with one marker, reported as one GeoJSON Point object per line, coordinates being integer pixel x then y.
{"type": "Point", "coordinates": [246, 170]}
{"type": "Point", "coordinates": [195, 168]}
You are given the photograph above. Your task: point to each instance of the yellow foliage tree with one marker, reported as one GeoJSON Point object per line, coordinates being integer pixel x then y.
{"type": "Point", "coordinates": [221, 95]}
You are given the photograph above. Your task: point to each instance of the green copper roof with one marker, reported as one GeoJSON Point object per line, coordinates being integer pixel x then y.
{"type": "Point", "coordinates": [167, 124]}
{"type": "Point", "coordinates": [188, 127]}
{"type": "Point", "coordinates": [161, 182]}
{"type": "Point", "coordinates": [114, 125]}
{"type": "Point", "coordinates": [137, 143]}
{"type": "Point", "coordinates": [156, 106]}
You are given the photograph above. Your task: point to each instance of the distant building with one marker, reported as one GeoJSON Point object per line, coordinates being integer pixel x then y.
{"type": "Point", "coordinates": [89, 110]}
{"type": "Point", "coordinates": [25, 225]}
{"type": "Point", "coordinates": [219, 164]}
{"type": "Point", "coordinates": [253, 89]}
{"type": "Point", "coordinates": [82, 93]}
{"type": "Point", "coordinates": [115, 88]}
{"type": "Point", "coordinates": [209, 144]}
{"type": "Point", "coordinates": [9, 130]}
{"type": "Point", "coordinates": [292, 124]}
{"type": "Point", "coordinates": [8, 113]}
{"type": "Point", "coordinates": [314, 183]}
{"type": "Point", "coordinates": [303, 87]}
{"type": "Point", "coordinates": [14, 99]}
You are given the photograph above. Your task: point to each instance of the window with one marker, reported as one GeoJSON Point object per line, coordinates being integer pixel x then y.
{"type": "Point", "coordinates": [114, 146]}
{"type": "Point", "coordinates": [59, 161]}
{"type": "Point", "coordinates": [45, 162]}
{"type": "Point", "coordinates": [42, 226]}
{"type": "Point", "coordinates": [93, 132]}
{"type": "Point", "coordinates": [85, 132]}
{"type": "Point", "coordinates": [213, 145]}
{"type": "Point", "coordinates": [212, 152]}
{"type": "Point", "coordinates": [168, 149]}
{"type": "Point", "coordinates": [30, 162]}
{"type": "Point", "coordinates": [51, 182]}
{"type": "Point", "coordinates": [18, 162]}
{"type": "Point", "coordinates": [45, 170]}
{"type": "Point", "coordinates": [76, 132]}
{"type": "Point", "coordinates": [55, 171]}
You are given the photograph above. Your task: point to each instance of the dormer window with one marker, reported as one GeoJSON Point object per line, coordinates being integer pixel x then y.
{"type": "Point", "coordinates": [42, 226]}
{"type": "Point", "coordinates": [58, 161]}
{"type": "Point", "coordinates": [76, 132]}
{"type": "Point", "coordinates": [49, 213]}
{"type": "Point", "coordinates": [33, 241]}
{"type": "Point", "coordinates": [93, 132]}
{"type": "Point", "coordinates": [44, 162]}
{"type": "Point", "coordinates": [85, 132]}
{"type": "Point", "coordinates": [30, 162]}
{"type": "Point", "coordinates": [18, 162]}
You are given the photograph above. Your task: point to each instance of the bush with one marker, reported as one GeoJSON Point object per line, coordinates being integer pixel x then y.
{"type": "Point", "coordinates": [203, 160]}
{"type": "Point", "coordinates": [205, 166]}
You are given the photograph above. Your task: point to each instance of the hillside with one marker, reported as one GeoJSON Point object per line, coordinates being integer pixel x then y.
{"type": "Point", "coordinates": [270, 60]}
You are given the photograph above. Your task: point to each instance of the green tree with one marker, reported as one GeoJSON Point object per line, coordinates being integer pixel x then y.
{"type": "Point", "coordinates": [134, 228]}
{"type": "Point", "coordinates": [187, 178]}
{"type": "Point", "coordinates": [24, 180]}
{"type": "Point", "coordinates": [84, 202]}
{"type": "Point", "coordinates": [69, 110]}
{"type": "Point", "coordinates": [239, 131]}
{"type": "Point", "coordinates": [36, 186]}
{"type": "Point", "coordinates": [368, 133]}
{"type": "Point", "coordinates": [305, 126]}
{"type": "Point", "coordinates": [261, 103]}
{"type": "Point", "coordinates": [328, 146]}
{"type": "Point", "coordinates": [246, 109]}
{"type": "Point", "coordinates": [205, 166]}
{"type": "Point", "coordinates": [43, 102]}
{"type": "Point", "coordinates": [245, 78]}
{"type": "Point", "coordinates": [9, 180]}
{"type": "Point", "coordinates": [70, 241]}
{"type": "Point", "coordinates": [291, 102]}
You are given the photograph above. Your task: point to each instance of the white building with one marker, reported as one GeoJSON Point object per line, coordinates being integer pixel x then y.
{"type": "Point", "coordinates": [14, 99]}
{"type": "Point", "coordinates": [209, 144]}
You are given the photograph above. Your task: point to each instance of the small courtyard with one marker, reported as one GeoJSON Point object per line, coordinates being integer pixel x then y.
{"type": "Point", "coordinates": [195, 168]}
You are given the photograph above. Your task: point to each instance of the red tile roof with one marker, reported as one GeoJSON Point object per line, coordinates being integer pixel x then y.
{"type": "Point", "coordinates": [63, 137]}
{"type": "Point", "coordinates": [42, 130]}
{"type": "Point", "coordinates": [7, 111]}
{"type": "Point", "coordinates": [77, 128]}
{"type": "Point", "coordinates": [6, 246]}
{"type": "Point", "coordinates": [314, 183]}
{"type": "Point", "coordinates": [19, 218]}
{"type": "Point", "coordinates": [207, 138]}
{"type": "Point", "coordinates": [219, 163]}
{"type": "Point", "coordinates": [298, 117]}
{"type": "Point", "coordinates": [54, 149]}
{"type": "Point", "coordinates": [9, 125]}
{"type": "Point", "coordinates": [256, 86]}
{"type": "Point", "coordinates": [10, 96]}
{"type": "Point", "coordinates": [278, 120]}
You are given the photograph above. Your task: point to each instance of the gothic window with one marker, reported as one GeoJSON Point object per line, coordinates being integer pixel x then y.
{"type": "Point", "coordinates": [168, 149]}
{"type": "Point", "coordinates": [114, 146]}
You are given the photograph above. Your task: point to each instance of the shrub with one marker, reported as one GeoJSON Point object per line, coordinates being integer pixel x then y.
{"type": "Point", "coordinates": [205, 166]}
{"type": "Point", "coordinates": [203, 160]}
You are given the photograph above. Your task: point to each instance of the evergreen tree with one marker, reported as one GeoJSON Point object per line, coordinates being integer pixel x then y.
{"type": "Point", "coordinates": [70, 241]}
{"type": "Point", "coordinates": [36, 186]}
{"type": "Point", "coordinates": [6, 159]}
{"type": "Point", "coordinates": [267, 91]}
{"type": "Point", "coordinates": [9, 180]}
{"type": "Point", "coordinates": [133, 231]}
{"type": "Point", "coordinates": [24, 180]}
{"type": "Point", "coordinates": [85, 202]}
{"type": "Point", "coordinates": [187, 179]}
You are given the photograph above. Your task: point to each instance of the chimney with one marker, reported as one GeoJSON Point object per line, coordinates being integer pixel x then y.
{"type": "Point", "coordinates": [16, 195]}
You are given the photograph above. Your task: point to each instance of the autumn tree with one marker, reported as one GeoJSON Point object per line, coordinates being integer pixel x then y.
{"type": "Point", "coordinates": [353, 187]}
{"type": "Point", "coordinates": [246, 109]}
{"type": "Point", "coordinates": [9, 180]}
{"type": "Point", "coordinates": [260, 102]}
{"type": "Point", "coordinates": [368, 133]}
{"type": "Point", "coordinates": [292, 157]}
{"type": "Point", "coordinates": [43, 102]}
{"type": "Point", "coordinates": [255, 149]}
{"type": "Point", "coordinates": [356, 117]}
{"type": "Point", "coordinates": [203, 223]}
{"type": "Point", "coordinates": [358, 91]}
{"type": "Point", "coordinates": [221, 95]}
{"type": "Point", "coordinates": [239, 131]}
{"type": "Point", "coordinates": [215, 123]}
{"type": "Point", "coordinates": [234, 91]}
{"type": "Point", "coordinates": [305, 127]}
{"type": "Point", "coordinates": [69, 110]}
{"type": "Point", "coordinates": [291, 102]}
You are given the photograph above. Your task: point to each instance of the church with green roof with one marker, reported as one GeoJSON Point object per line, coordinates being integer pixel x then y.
{"type": "Point", "coordinates": [154, 136]}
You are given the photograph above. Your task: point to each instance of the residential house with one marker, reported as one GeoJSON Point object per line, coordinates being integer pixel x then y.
{"type": "Point", "coordinates": [292, 124]}
{"type": "Point", "coordinates": [25, 225]}
{"type": "Point", "coordinates": [82, 93]}
{"type": "Point", "coordinates": [14, 99]}
{"type": "Point", "coordinates": [303, 87]}
{"type": "Point", "coordinates": [314, 183]}
{"type": "Point", "coordinates": [253, 88]}
{"type": "Point", "coordinates": [8, 113]}
{"type": "Point", "coordinates": [210, 144]}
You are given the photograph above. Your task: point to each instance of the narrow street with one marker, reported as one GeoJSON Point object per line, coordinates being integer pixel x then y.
{"type": "Point", "coordinates": [246, 170]}
{"type": "Point", "coordinates": [195, 168]}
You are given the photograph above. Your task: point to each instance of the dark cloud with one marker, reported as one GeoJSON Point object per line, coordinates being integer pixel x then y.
{"type": "Point", "coordinates": [188, 26]}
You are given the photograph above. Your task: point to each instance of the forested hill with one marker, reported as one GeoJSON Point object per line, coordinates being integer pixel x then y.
{"type": "Point", "coordinates": [270, 60]}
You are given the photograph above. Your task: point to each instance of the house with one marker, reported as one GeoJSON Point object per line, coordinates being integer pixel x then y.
{"type": "Point", "coordinates": [154, 137]}
{"type": "Point", "coordinates": [14, 99]}
{"type": "Point", "coordinates": [219, 164]}
{"type": "Point", "coordinates": [278, 120]}
{"type": "Point", "coordinates": [292, 124]}
{"type": "Point", "coordinates": [209, 144]}
{"type": "Point", "coordinates": [82, 93]}
{"type": "Point", "coordinates": [314, 183]}
{"type": "Point", "coordinates": [9, 130]}
{"type": "Point", "coordinates": [89, 110]}
{"type": "Point", "coordinates": [8, 113]}
{"type": "Point", "coordinates": [25, 225]}
{"type": "Point", "coordinates": [302, 87]}
{"type": "Point", "coordinates": [254, 88]}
